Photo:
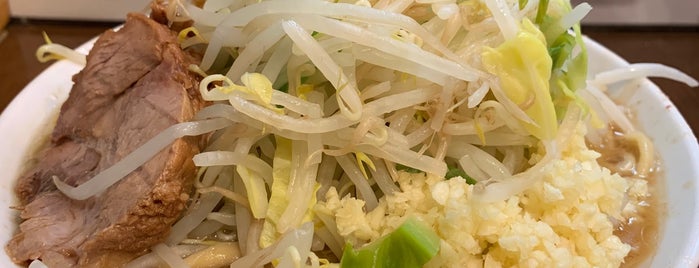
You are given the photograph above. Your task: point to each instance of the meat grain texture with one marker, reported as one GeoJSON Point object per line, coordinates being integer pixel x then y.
{"type": "Point", "coordinates": [135, 85]}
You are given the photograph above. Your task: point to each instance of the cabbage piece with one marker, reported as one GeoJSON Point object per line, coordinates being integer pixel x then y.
{"type": "Point", "coordinates": [411, 245]}
{"type": "Point", "coordinates": [523, 66]}
{"type": "Point", "coordinates": [255, 188]}
{"type": "Point", "coordinates": [281, 172]}
{"type": "Point", "coordinates": [279, 199]}
{"type": "Point", "coordinates": [569, 70]}
{"type": "Point", "coordinates": [570, 76]}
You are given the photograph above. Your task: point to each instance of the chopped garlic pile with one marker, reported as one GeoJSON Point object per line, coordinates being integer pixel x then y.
{"type": "Point", "coordinates": [566, 218]}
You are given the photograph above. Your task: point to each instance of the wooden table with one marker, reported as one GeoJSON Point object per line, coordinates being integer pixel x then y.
{"type": "Point", "coordinates": [678, 47]}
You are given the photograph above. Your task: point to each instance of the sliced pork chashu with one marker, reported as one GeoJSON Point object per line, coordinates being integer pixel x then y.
{"type": "Point", "coordinates": [134, 85]}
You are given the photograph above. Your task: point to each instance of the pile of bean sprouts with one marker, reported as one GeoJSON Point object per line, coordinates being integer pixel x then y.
{"type": "Point", "coordinates": [345, 94]}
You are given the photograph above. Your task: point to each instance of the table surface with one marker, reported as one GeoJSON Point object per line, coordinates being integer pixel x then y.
{"type": "Point", "coordinates": [678, 47]}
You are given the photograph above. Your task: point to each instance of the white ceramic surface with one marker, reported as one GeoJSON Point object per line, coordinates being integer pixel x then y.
{"type": "Point", "coordinates": [26, 119]}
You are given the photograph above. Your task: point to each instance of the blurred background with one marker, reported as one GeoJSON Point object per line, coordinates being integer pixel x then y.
{"type": "Point", "coordinates": [101, 10]}
{"type": "Point", "coordinates": [642, 12]}
{"type": "Point", "coordinates": [606, 12]}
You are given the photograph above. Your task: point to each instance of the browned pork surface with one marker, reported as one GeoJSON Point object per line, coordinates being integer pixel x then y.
{"type": "Point", "coordinates": [135, 85]}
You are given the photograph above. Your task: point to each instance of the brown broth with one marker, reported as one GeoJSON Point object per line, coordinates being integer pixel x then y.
{"type": "Point", "coordinates": [641, 231]}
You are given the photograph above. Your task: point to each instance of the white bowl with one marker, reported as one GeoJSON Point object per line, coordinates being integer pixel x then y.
{"type": "Point", "coordinates": [29, 116]}
{"type": "Point", "coordinates": [677, 146]}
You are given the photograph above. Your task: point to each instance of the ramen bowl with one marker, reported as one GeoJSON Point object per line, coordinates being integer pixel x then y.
{"type": "Point", "coordinates": [27, 121]}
